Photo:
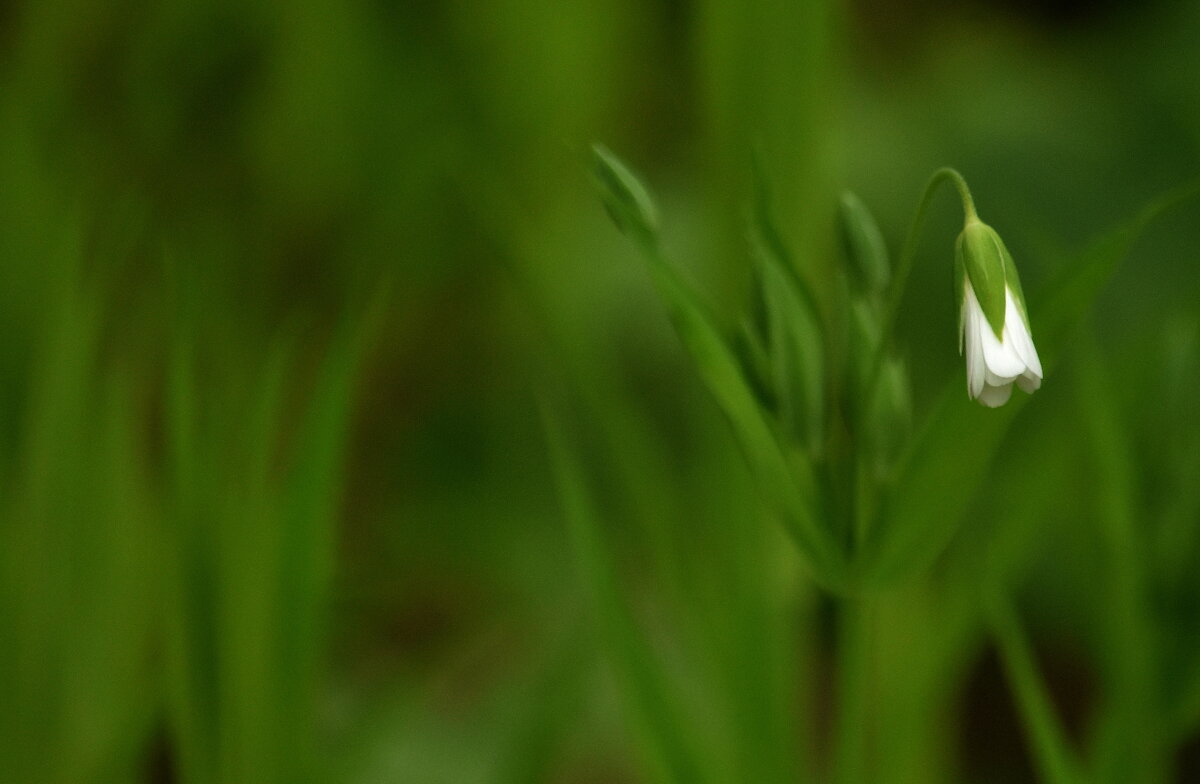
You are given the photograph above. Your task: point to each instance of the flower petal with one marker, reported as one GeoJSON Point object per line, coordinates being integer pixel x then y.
{"type": "Point", "coordinates": [995, 396]}
{"type": "Point", "coordinates": [1001, 358]}
{"type": "Point", "coordinates": [1017, 334]}
{"type": "Point", "coordinates": [991, 379]}
{"type": "Point", "coordinates": [974, 322]}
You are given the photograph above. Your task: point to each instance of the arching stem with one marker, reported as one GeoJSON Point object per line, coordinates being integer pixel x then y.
{"type": "Point", "coordinates": [908, 254]}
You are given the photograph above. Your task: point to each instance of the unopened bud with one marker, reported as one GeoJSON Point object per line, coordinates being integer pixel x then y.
{"type": "Point", "coordinates": [994, 327]}
{"type": "Point", "coordinates": [863, 244]}
{"type": "Point", "coordinates": [625, 198]}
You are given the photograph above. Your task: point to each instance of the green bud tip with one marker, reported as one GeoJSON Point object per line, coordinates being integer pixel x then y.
{"type": "Point", "coordinates": [626, 200]}
{"type": "Point", "coordinates": [863, 243]}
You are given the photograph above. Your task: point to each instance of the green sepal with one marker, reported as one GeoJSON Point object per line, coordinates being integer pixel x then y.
{"type": "Point", "coordinates": [959, 295]}
{"type": "Point", "coordinates": [794, 330]}
{"type": "Point", "coordinates": [751, 348]}
{"type": "Point", "coordinates": [863, 244]}
{"type": "Point", "coordinates": [796, 353]}
{"type": "Point", "coordinates": [1013, 281]}
{"type": "Point", "coordinates": [864, 337]}
{"type": "Point", "coordinates": [891, 417]}
{"type": "Point", "coordinates": [982, 254]}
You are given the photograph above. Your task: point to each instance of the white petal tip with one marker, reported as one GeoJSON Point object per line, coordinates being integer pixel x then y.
{"type": "Point", "coordinates": [1029, 383]}
{"type": "Point", "coordinates": [994, 397]}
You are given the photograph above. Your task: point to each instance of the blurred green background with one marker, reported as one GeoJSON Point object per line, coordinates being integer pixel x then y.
{"type": "Point", "coordinates": [282, 285]}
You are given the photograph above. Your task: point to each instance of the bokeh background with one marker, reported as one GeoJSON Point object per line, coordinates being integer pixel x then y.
{"type": "Point", "coordinates": [283, 286]}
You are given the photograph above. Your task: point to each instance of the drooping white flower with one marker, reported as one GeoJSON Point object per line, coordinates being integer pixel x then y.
{"type": "Point", "coordinates": [994, 327]}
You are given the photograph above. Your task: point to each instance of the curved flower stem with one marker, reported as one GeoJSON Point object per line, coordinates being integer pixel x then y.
{"type": "Point", "coordinates": [908, 254]}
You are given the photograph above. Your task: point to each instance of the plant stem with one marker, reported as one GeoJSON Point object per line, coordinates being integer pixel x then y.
{"type": "Point", "coordinates": [908, 254]}
{"type": "Point", "coordinates": [909, 251]}
{"type": "Point", "coordinates": [853, 692]}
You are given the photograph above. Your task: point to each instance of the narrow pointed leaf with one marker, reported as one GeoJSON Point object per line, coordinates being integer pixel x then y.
{"type": "Point", "coordinates": [794, 325]}
{"type": "Point", "coordinates": [1056, 762]}
{"type": "Point", "coordinates": [785, 477]}
{"type": "Point", "coordinates": [625, 198]}
{"type": "Point", "coordinates": [788, 484]}
{"type": "Point", "coordinates": [660, 723]}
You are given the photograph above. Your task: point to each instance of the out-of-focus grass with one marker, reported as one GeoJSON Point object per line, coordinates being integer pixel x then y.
{"type": "Point", "coordinates": [78, 605]}
{"type": "Point", "coordinates": [249, 548]}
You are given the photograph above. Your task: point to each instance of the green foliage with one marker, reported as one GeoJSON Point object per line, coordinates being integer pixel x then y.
{"type": "Point", "coordinates": [794, 335]}
{"type": "Point", "coordinates": [250, 537]}
{"type": "Point", "coordinates": [938, 478]}
{"type": "Point", "coordinates": [79, 553]}
{"type": "Point", "coordinates": [671, 748]}
{"type": "Point", "coordinates": [787, 483]}
{"type": "Point", "coordinates": [625, 198]}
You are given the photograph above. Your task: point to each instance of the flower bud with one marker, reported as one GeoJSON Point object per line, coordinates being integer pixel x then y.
{"type": "Point", "coordinates": [625, 198]}
{"type": "Point", "coordinates": [880, 406]}
{"type": "Point", "coordinates": [751, 349]}
{"type": "Point", "coordinates": [890, 417]}
{"type": "Point", "coordinates": [864, 337]}
{"type": "Point", "coordinates": [863, 245]}
{"type": "Point", "coordinates": [993, 325]}
{"type": "Point", "coordinates": [796, 354]}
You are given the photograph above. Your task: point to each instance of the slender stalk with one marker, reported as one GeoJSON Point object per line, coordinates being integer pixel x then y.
{"type": "Point", "coordinates": [853, 692]}
{"type": "Point", "coordinates": [908, 254]}
{"type": "Point", "coordinates": [863, 499]}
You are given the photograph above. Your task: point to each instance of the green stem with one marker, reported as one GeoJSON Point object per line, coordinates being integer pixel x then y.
{"type": "Point", "coordinates": [864, 497]}
{"type": "Point", "coordinates": [853, 692]}
{"type": "Point", "coordinates": [908, 254]}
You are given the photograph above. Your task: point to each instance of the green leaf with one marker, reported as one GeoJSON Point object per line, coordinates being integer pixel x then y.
{"type": "Point", "coordinates": [1056, 762]}
{"type": "Point", "coordinates": [661, 726]}
{"type": "Point", "coordinates": [1133, 646]}
{"type": "Point", "coordinates": [785, 477]}
{"type": "Point", "coordinates": [1061, 308]}
{"type": "Point", "coordinates": [625, 198]}
{"type": "Point", "coordinates": [788, 484]}
{"type": "Point", "coordinates": [796, 357]}
{"type": "Point", "coordinates": [795, 332]}
{"type": "Point", "coordinates": [959, 296]}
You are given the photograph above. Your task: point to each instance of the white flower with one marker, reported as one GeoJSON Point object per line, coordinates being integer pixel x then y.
{"type": "Point", "coordinates": [994, 327]}
{"type": "Point", "coordinates": [993, 364]}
